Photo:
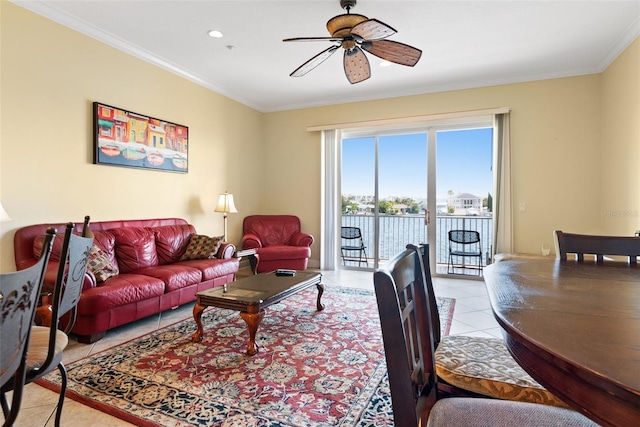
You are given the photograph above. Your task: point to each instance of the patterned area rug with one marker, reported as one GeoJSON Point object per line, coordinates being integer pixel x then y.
{"type": "Point", "coordinates": [313, 368]}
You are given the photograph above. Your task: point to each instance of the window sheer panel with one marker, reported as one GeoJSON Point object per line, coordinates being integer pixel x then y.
{"type": "Point", "coordinates": [331, 205]}
{"type": "Point", "coordinates": [503, 212]}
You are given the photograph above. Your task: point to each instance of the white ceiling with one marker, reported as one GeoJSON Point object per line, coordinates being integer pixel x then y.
{"type": "Point", "coordinates": [465, 43]}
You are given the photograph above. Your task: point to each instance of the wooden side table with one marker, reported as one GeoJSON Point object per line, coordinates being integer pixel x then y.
{"type": "Point", "coordinates": [253, 258]}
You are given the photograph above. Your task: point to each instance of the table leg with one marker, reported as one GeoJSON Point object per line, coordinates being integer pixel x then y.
{"type": "Point", "coordinates": [197, 316]}
{"type": "Point", "coordinates": [254, 260]}
{"type": "Point", "coordinates": [253, 321]}
{"type": "Point", "coordinates": [319, 305]}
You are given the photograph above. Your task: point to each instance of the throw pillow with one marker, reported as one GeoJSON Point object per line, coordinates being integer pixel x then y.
{"type": "Point", "coordinates": [100, 265]}
{"type": "Point", "coordinates": [202, 247]}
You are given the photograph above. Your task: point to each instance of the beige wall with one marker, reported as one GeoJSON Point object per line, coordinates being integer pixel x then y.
{"type": "Point", "coordinates": [620, 144]}
{"type": "Point", "coordinates": [575, 142]}
{"type": "Point", "coordinates": [50, 75]}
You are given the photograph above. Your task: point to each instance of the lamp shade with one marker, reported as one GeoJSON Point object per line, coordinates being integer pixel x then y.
{"type": "Point", "coordinates": [4, 216]}
{"type": "Point", "coordinates": [225, 204]}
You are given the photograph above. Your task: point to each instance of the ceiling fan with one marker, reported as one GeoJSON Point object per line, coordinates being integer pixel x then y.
{"type": "Point", "coordinates": [355, 34]}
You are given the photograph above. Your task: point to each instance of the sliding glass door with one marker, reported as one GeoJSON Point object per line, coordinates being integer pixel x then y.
{"type": "Point", "coordinates": [414, 186]}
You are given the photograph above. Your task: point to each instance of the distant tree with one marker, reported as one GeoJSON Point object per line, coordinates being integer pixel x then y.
{"type": "Point", "coordinates": [412, 205]}
{"type": "Point", "coordinates": [386, 206]}
{"type": "Point", "coordinates": [349, 205]}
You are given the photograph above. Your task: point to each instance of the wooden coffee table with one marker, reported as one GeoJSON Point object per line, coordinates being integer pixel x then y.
{"type": "Point", "coordinates": [251, 295]}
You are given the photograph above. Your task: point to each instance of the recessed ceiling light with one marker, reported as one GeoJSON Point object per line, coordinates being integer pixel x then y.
{"type": "Point", "coordinates": [385, 63]}
{"type": "Point", "coordinates": [215, 33]}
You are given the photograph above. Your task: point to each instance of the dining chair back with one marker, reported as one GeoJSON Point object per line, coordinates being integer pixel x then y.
{"type": "Point", "coordinates": [409, 337]}
{"type": "Point", "coordinates": [464, 244]}
{"type": "Point", "coordinates": [352, 242]}
{"type": "Point", "coordinates": [19, 293]}
{"type": "Point", "coordinates": [78, 254]}
{"type": "Point", "coordinates": [601, 247]}
{"type": "Point", "coordinates": [48, 342]}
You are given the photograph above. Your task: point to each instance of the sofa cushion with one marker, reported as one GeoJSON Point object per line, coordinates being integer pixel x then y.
{"type": "Point", "coordinates": [119, 291]}
{"type": "Point", "coordinates": [56, 249]}
{"type": "Point", "coordinates": [202, 247]}
{"type": "Point", "coordinates": [135, 248]}
{"type": "Point", "coordinates": [175, 276]}
{"type": "Point", "coordinates": [172, 241]}
{"type": "Point", "coordinates": [283, 252]}
{"type": "Point", "coordinates": [100, 265]}
{"type": "Point", "coordinates": [214, 268]}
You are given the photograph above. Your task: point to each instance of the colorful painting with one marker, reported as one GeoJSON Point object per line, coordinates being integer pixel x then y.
{"type": "Point", "coordinates": [124, 138]}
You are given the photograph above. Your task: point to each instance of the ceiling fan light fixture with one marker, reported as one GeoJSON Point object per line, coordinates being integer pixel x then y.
{"type": "Point", "coordinates": [341, 25]}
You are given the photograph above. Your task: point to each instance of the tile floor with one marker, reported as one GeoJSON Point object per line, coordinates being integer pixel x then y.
{"type": "Point", "coordinates": [472, 316]}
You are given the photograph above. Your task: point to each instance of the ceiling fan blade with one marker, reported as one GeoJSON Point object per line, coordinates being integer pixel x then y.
{"type": "Point", "coordinates": [391, 51]}
{"type": "Point", "coordinates": [314, 39]}
{"type": "Point", "coordinates": [372, 29]}
{"type": "Point", "coordinates": [356, 65]}
{"type": "Point", "coordinates": [314, 62]}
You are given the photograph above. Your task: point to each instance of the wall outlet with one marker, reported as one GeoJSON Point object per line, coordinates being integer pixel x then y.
{"type": "Point", "coordinates": [523, 207]}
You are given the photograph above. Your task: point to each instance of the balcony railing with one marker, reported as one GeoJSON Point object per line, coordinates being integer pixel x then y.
{"type": "Point", "coordinates": [396, 231]}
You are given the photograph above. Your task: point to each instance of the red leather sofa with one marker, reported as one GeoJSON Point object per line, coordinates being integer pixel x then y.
{"type": "Point", "coordinates": [151, 276]}
{"type": "Point", "coordinates": [278, 242]}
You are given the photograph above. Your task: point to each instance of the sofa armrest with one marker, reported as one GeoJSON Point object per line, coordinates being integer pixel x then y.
{"type": "Point", "coordinates": [251, 241]}
{"type": "Point", "coordinates": [226, 250]}
{"type": "Point", "coordinates": [301, 239]}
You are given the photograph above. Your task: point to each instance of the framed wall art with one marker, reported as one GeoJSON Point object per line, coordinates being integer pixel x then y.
{"type": "Point", "coordinates": [125, 138]}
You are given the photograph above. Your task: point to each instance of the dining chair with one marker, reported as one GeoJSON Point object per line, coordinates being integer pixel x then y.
{"type": "Point", "coordinates": [464, 244]}
{"type": "Point", "coordinates": [47, 343]}
{"type": "Point", "coordinates": [601, 247]}
{"type": "Point", "coordinates": [19, 293]}
{"type": "Point", "coordinates": [410, 339]}
{"type": "Point", "coordinates": [352, 242]}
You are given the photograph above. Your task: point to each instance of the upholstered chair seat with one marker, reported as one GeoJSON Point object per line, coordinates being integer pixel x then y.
{"type": "Point", "coordinates": [471, 412]}
{"type": "Point", "coordinates": [39, 347]}
{"type": "Point", "coordinates": [485, 366]}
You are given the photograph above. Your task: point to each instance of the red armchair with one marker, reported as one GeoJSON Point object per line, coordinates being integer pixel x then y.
{"type": "Point", "coordinates": [278, 242]}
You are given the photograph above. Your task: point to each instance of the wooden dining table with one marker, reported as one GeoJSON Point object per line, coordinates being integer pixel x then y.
{"type": "Point", "coordinates": [575, 328]}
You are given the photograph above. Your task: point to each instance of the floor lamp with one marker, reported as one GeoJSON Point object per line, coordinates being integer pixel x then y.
{"type": "Point", "coordinates": [226, 206]}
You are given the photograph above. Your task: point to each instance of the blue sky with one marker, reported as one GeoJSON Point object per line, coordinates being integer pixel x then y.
{"type": "Point", "coordinates": [463, 164]}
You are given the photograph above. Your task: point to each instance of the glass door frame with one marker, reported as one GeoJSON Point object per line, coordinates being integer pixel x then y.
{"type": "Point", "coordinates": [376, 134]}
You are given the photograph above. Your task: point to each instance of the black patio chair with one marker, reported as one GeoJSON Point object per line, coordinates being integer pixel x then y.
{"type": "Point", "coordinates": [465, 244]}
{"type": "Point", "coordinates": [352, 242]}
